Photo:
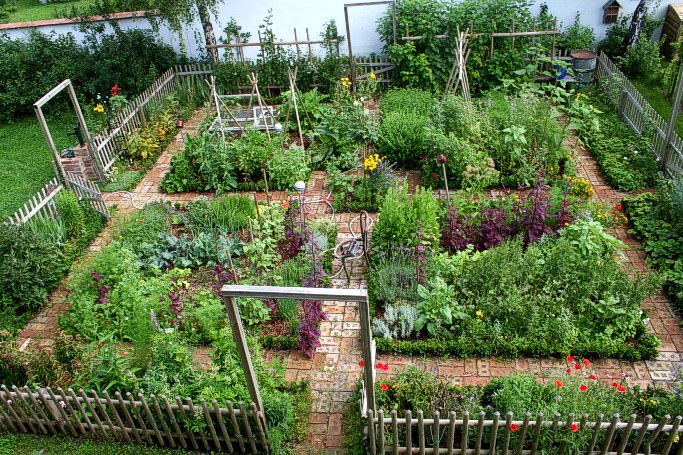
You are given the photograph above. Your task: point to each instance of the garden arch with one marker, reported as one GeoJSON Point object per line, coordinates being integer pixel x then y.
{"type": "Point", "coordinates": [230, 293]}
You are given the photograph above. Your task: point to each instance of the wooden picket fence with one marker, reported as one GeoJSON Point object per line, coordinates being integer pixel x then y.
{"type": "Point", "coordinates": [109, 144]}
{"type": "Point", "coordinates": [639, 114]}
{"type": "Point", "coordinates": [40, 205]}
{"type": "Point", "coordinates": [89, 192]}
{"type": "Point", "coordinates": [142, 420]}
{"type": "Point", "coordinates": [379, 65]}
{"type": "Point", "coordinates": [462, 435]}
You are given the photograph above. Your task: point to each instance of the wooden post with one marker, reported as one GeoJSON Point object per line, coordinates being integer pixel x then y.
{"type": "Point", "coordinates": [352, 67]}
{"type": "Point", "coordinates": [308, 38]}
{"type": "Point", "coordinates": [368, 353]}
{"type": "Point", "coordinates": [665, 157]}
{"type": "Point", "coordinates": [296, 40]}
{"type": "Point", "coordinates": [243, 350]}
{"type": "Point", "coordinates": [552, 55]}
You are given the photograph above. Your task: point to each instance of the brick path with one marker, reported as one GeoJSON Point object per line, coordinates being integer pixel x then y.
{"type": "Point", "coordinates": [334, 370]}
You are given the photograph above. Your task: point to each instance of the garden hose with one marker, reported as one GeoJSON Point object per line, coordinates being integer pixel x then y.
{"type": "Point", "coordinates": [125, 193]}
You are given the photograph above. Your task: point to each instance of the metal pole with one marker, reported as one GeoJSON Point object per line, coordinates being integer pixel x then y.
{"type": "Point", "coordinates": [668, 148]}
{"type": "Point", "coordinates": [243, 350]}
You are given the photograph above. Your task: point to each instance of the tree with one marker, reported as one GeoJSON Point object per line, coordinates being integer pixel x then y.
{"type": "Point", "coordinates": [175, 13]}
{"type": "Point", "coordinates": [636, 27]}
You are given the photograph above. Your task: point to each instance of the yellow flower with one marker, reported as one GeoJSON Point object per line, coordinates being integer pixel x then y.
{"type": "Point", "coordinates": [480, 314]}
{"type": "Point", "coordinates": [99, 108]}
{"type": "Point", "coordinates": [372, 76]}
{"type": "Point", "coordinates": [370, 163]}
{"type": "Point", "coordinates": [344, 79]}
{"type": "Point", "coordinates": [676, 438]}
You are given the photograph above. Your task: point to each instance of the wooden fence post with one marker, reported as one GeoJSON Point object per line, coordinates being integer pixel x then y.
{"type": "Point", "coordinates": [243, 350]}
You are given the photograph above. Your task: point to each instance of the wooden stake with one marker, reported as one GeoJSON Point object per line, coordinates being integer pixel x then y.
{"type": "Point", "coordinates": [265, 181]}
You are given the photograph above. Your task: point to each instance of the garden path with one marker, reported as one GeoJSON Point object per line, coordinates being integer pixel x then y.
{"type": "Point", "coordinates": [663, 322]}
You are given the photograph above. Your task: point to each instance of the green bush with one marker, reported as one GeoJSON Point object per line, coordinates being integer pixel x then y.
{"type": "Point", "coordinates": [401, 137]}
{"type": "Point", "coordinates": [413, 101]}
{"type": "Point", "coordinates": [288, 166]}
{"type": "Point", "coordinates": [31, 66]}
{"type": "Point", "coordinates": [252, 152]}
{"type": "Point", "coordinates": [31, 265]}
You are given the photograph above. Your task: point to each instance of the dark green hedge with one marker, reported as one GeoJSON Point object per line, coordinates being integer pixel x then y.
{"type": "Point", "coordinates": [518, 347]}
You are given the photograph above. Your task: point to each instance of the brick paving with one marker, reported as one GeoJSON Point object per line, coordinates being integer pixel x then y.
{"type": "Point", "coordinates": [334, 370]}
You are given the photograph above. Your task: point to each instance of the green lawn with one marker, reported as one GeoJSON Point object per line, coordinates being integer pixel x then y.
{"type": "Point", "coordinates": [25, 158]}
{"type": "Point", "coordinates": [656, 97]}
{"type": "Point", "coordinates": [32, 10]}
{"type": "Point", "coordinates": [29, 444]}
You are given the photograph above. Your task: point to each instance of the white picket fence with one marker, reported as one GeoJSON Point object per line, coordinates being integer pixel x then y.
{"type": "Point", "coordinates": [639, 114]}
{"type": "Point", "coordinates": [41, 204]}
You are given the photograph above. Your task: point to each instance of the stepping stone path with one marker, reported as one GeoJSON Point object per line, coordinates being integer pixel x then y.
{"type": "Point", "coordinates": [334, 371]}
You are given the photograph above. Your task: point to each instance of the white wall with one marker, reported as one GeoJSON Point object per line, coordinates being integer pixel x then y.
{"type": "Point", "coordinates": [288, 14]}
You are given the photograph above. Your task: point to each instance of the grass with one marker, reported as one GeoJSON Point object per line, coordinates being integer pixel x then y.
{"type": "Point", "coordinates": [657, 98]}
{"type": "Point", "coordinates": [25, 160]}
{"type": "Point", "coordinates": [32, 10]}
{"type": "Point", "coordinates": [29, 444]}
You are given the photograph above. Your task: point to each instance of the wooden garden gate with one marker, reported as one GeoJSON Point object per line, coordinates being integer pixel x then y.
{"type": "Point", "coordinates": [87, 191]}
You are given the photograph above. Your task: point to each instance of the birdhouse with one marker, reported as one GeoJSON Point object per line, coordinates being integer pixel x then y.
{"type": "Point", "coordinates": [611, 11]}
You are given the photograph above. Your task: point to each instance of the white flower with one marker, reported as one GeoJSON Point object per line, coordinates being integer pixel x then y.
{"type": "Point", "coordinates": [366, 112]}
{"type": "Point", "coordinates": [626, 158]}
{"type": "Point", "coordinates": [635, 152]}
{"type": "Point", "coordinates": [62, 404]}
{"type": "Point", "coordinates": [169, 330]}
{"type": "Point", "coordinates": [646, 320]}
{"type": "Point", "coordinates": [362, 99]}
{"type": "Point", "coordinates": [356, 103]}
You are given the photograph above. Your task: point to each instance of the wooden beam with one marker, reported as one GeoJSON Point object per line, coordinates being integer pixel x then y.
{"type": "Point", "coordinates": [294, 293]}
{"type": "Point", "coordinates": [279, 43]}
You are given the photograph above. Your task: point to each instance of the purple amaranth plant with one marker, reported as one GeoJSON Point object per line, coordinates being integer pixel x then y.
{"type": "Point", "coordinates": [313, 314]}
{"type": "Point", "coordinates": [534, 213]}
{"type": "Point", "coordinates": [293, 241]}
{"type": "Point", "coordinates": [564, 216]}
{"type": "Point", "coordinates": [494, 228]}
{"type": "Point", "coordinates": [221, 276]}
{"type": "Point", "coordinates": [459, 231]}
{"type": "Point", "coordinates": [176, 308]}
{"type": "Point", "coordinates": [103, 289]}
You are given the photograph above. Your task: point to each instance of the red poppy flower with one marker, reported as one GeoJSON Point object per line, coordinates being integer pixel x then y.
{"type": "Point", "coordinates": [361, 364]}
{"type": "Point", "coordinates": [593, 377]}
{"type": "Point", "coordinates": [586, 363]}
{"type": "Point", "coordinates": [574, 427]}
{"type": "Point", "coordinates": [615, 384]}
{"type": "Point", "coordinates": [621, 388]}
{"type": "Point", "coordinates": [619, 207]}
{"type": "Point", "coordinates": [569, 370]}
{"type": "Point", "coordinates": [569, 358]}
{"type": "Point", "coordinates": [577, 366]}
{"type": "Point", "coordinates": [583, 387]}
{"type": "Point", "coordinates": [384, 387]}
{"type": "Point", "coordinates": [514, 427]}
{"type": "Point", "coordinates": [559, 383]}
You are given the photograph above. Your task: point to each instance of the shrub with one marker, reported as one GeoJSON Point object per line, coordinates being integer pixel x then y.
{"type": "Point", "coordinates": [252, 152]}
{"type": "Point", "coordinates": [577, 36]}
{"type": "Point", "coordinates": [408, 100]}
{"type": "Point", "coordinates": [288, 166]}
{"type": "Point", "coordinates": [401, 217]}
{"type": "Point", "coordinates": [31, 66]}
{"type": "Point", "coordinates": [402, 137]}
{"type": "Point", "coordinates": [31, 265]}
